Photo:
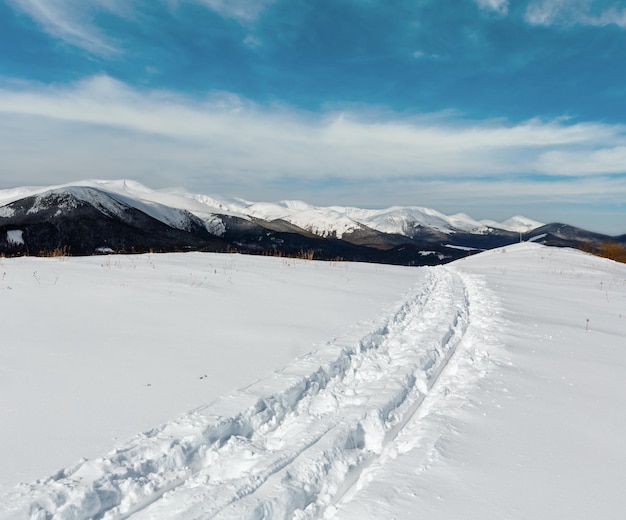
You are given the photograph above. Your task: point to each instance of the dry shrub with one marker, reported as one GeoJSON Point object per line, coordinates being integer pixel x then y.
{"type": "Point", "coordinates": [307, 254]}
{"type": "Point", "coordinates": [59, 251]}
{"type": "Point", "coordinates": [613, 250]}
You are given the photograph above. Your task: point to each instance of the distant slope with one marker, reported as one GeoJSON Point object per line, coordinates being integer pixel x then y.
{"type": "Point", "coordinates": [564, 235]}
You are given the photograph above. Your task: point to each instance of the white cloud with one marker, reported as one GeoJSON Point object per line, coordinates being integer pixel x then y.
{"type": "Point", "coordinates": [573, 162]}
{"type": "Point", "coordinates": [575, 12]}
{"type": "Point", "coordinates": [283, 141]}
{"type": "Point", "coordinates": [421, 55]}
{"type": "Point", "coordinates": [102, 128]}
{"type": "Point", "coordinates": [242, 10]}
{"type": "Point", "coordinates": [72, 21]}
{"type": "Point", "coordinates": [499, 6]}
{"type": "Point", "coordinates": [252, 41]}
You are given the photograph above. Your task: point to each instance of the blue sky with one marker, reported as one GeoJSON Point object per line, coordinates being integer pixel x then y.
{"type": "Point", "coordinates": [489, 107]}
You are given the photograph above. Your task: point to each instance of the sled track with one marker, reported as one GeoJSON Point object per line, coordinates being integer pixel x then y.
{"type": "Point", "coordinates": [287, 446]}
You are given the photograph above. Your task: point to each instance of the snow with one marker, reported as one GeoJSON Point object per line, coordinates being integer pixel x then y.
{"type": "Point", "coordinates": [541, 436]}
{"type": "Point", "coordinates": [463, 248]}
{"type": "Point", "coordinates": [114, 199]}
{"type": "Point", "coordinates": [403, 220]}
{"type": "Point", "coordinates": [6, 212]}
{"type": "Point", "coordinates": [492, 387]}
{"type": "Point", "coordinates": [521, 224]}
{"type": "Point", "coordinates": [324, 222]}
{"type": "Point", "coordinates": [174, 206]}
{"type": "Point", "coordinates": [104, 250]}
{"type": "Point", "coordinates": [517, 224]}
{"type": "Point", "coordinates": [339, 220]}
{"type": "Point", "coordinates": [15, 236]}
{"type": "Point", "coordinates": [87, 335]}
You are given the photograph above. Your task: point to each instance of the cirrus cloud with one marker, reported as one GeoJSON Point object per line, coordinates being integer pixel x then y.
{"type": "Point", "coordinates": [575, 12]}
{"type": "Point", "coordinates": [242, 10]}
{"type": "Point", "coordinates": [499, 6]}
{"type": "Point", "coordinates": [73, 21]}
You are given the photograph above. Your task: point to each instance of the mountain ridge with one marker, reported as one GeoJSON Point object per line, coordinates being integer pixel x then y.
{"type": "Point", "coordinates": [93, 216]}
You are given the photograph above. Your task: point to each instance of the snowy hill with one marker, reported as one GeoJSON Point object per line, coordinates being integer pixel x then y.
{"type": "Point", "coordinates": [492, 387]}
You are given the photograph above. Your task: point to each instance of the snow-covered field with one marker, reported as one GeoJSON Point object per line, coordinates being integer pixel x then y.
{"type": "Point", "coordinates": [493, 387]}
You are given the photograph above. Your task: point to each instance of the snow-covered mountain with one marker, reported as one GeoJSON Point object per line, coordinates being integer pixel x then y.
{"type": "Point", "coordinates": [112, 197]}
{"type": "Point", "coordinates": [123, 215]}
{"type": "Point", "coordinates": [172, 208]}
{"type": "Point", "coordinates": [83, 219]}
{"type": "Point", "coordinates": [517, 224]}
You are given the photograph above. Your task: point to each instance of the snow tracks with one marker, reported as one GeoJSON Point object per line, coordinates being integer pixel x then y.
{"type": "Point", "coordinates": [290, 445]}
